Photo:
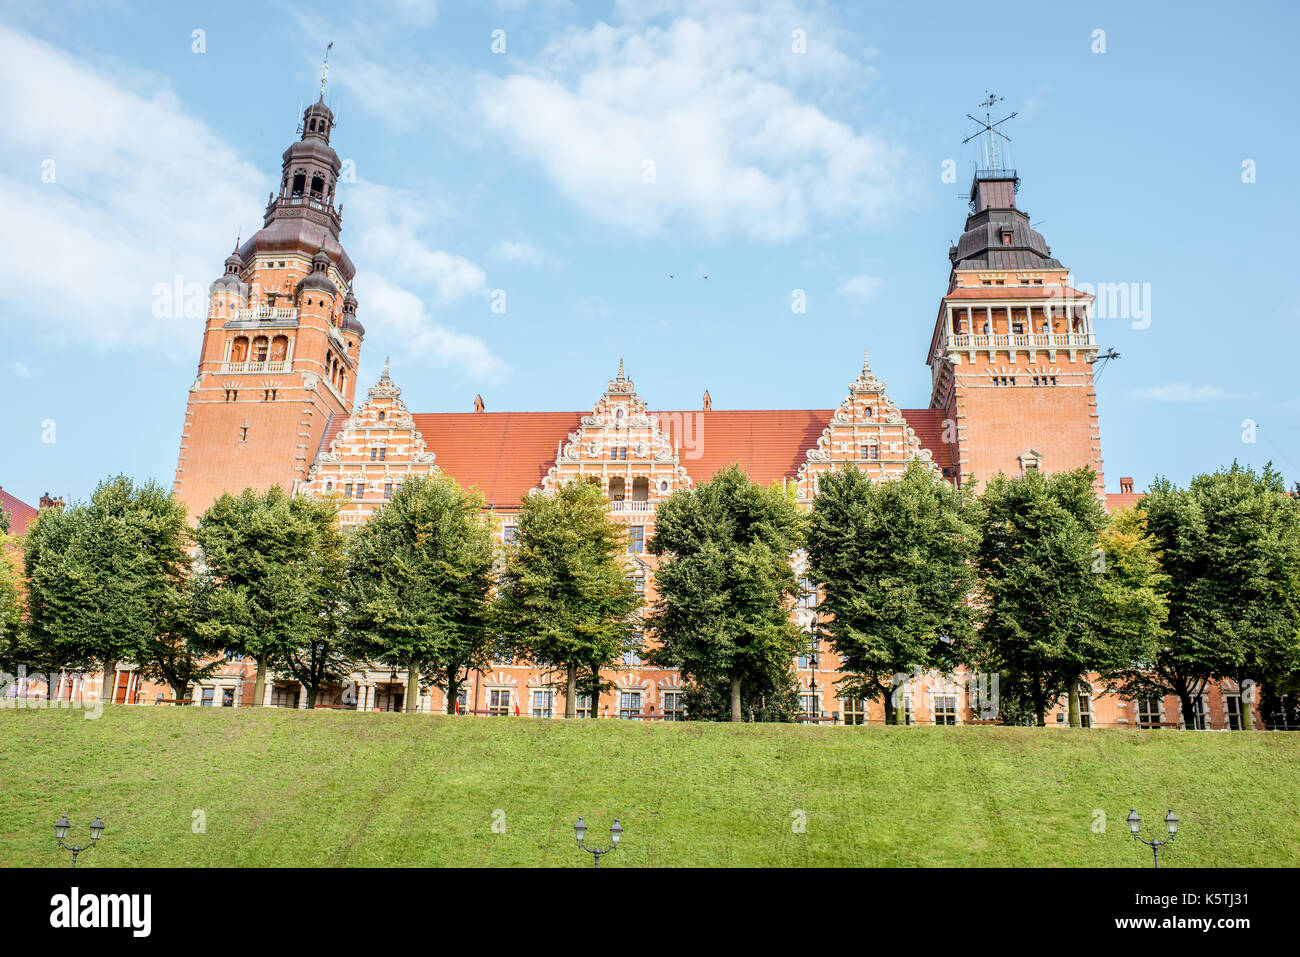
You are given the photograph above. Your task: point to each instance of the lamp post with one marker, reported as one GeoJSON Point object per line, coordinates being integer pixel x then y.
{"type": "Point", "coordinates": [63, 825]}
{"type": "Point", "coordinates": [1135, 827]}
{"type": "Point", "coordinates": [615, 835]}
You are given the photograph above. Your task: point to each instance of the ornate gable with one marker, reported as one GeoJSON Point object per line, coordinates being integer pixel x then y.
{"type": "Point", "coordinates": [621, 445]}
{"type": "Point", "coordinates": [867, 430]}
{"type": "Point", "coordinates": [372, 455]}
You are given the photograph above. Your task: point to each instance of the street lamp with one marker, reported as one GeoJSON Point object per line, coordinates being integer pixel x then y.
{"type": "Point", "coordinates": [1135, 827]}
{"type": "Point", "coordinates": [615, 835]}
{"type": "Point", "coordinates": [63, 825]}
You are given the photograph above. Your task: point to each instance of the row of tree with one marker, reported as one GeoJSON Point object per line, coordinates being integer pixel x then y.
{"type": "Point", "coordinates": [1030, 580]}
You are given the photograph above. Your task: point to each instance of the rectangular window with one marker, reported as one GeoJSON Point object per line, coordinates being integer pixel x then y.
{"type": "Point", "coordinates": [629, 704]}
{"type": "Point", "coordinates": [636, 539]}
{"type": "Point", "coordinates": [388, 490]}
{"type": "Point", "coordinates": [508, 533]}
{"type": "Point", "coordinates": [543, 704]}
{"type": "Point", "coordinates": [227, 697]}
{"type": "Point", "coordinates": [498, 701]}
{"type": "Point", "coordinates": [871, 452]}
{"type": "Point", "coordinates": [674, 708]}
{"type": "Point", "coordinates": [361, 489]}
{"type": "Point", "coordinates": [462, 700]}
{"type": "Point", "coordinates": [945, 709]}
{"type": "Point", "coordinates": [808, 704]}
{"type": "Point", "coordinates": [632, 656]}
{"type": "Point", "coordinates": [347, 490]}
{"type": "Point", "coordinates": [1148, 712]}
{"type": "Point", "coordinates": [808, 657]}
{"type": "Point", "coordinates": [1085, 709]}
{"type": "Point", "coordinates": [207, 697]}
{"type": "Point", "coordinates": [1233, 704]}
{"type": "Point", "coordinates": [584, 706]}
{"type": "Point", "coordinates": [855, 710]}
{"type": "Point", "coordinates": [1201, 711]}
{"type": "Point", "coordinates": [808, 596]}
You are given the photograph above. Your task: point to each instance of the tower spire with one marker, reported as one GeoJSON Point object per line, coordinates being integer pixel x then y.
{"type": "Point", "coordinates": [325, 69]}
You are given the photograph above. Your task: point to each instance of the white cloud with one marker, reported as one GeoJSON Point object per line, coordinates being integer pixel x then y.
{"type": "Point", "coordinates": [521, 253]}
{"type": "Point", "coordinates": [592, 308]}
{"type": "Point", "coordinates": [862, 286]}
{"type": "Point", "coordinates": [1182, 392]}
{"type": "Point", "coordinates": [21, 370]}
{"type": "Point", "coordinates": [143, 192]}
{"type": "Point", "coordinates": [384, 232]}
{"type": "Point", "coordinates": [711, 101]}
{"type": "Point", "coordinates": [405, 319]}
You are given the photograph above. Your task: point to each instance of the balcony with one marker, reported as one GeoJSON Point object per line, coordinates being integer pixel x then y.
{"type": "Point", "coordinates": [263, 366]}
{"type": "Point", "coordinates": [265, 314]}
{"type": "Point", "coordinates": [1022, 341]}
{"type": "Point", "coordinates": [626, 507]}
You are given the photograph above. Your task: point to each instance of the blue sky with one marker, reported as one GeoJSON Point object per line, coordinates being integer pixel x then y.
{"type": "Point", "coordinates": [523, 171]}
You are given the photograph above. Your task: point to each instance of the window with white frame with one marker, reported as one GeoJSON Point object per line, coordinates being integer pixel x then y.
{"type": "Point", "coordinates": [629, 703]}
{"type": "Point", "coordinates": [1148, 712]}
{"type": "Point", "coordinates": [635, 539]}
{"type": "Point", "coordinates": [584, 706]}
{"type": "Point", "coordinates": [854, 710]}
{"type": "Point", "coordinates": [808, 597]}
{"type": "Point", "coordinates": [498, 701]}
{"type": "Point", "coordinates": [674, 706]}
{"type": "Point", "coordinates": [807, 656]}
{"type": "Point", "coordinates": [543, 704]}
{"type": "Point", "coordinates": [1201, 712]}
{"type": "Point", "coordinates": [1232, 710]}
{"type": "Point", "coordinates": [808, 704]}
{"type": "Point", "coordinates": [944, 709]}
{"type": "Point", "coordinates": [632, 653]}
{"type": "Point", "coordinates": [1085, 708]}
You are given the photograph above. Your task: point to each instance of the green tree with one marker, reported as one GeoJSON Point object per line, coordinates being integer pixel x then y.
{"type": "Point", "coordinates": [565, 598]}
{"type": "Point", "coordinates": [726, 582]}
{"type": "Point", "coordinates": [769, 698]}
{"type": "Point", "coordinates": [895, 560]}
{"type": "Point", "coordinates": [259, 556]}
{"type": "Point", "coordinates": [11, 605]}
{"type": "Point", "coordinates": [1040, 573]}
{"type": "Point", "coordinates": [102, 577]}
{"type": "Point", "coordinates": [419, 574]}
{"type": "Point", "coordinates": [1230, 546]}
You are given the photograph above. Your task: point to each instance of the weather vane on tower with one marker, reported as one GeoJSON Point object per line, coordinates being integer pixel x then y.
{"type": "Point", "coordinates": [990, 129]}
{"type": "Point", "coordinates": [325, 69]}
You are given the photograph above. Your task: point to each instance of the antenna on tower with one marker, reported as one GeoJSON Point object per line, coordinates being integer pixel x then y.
{"type": "Point", "coordinates": [990, 129]}
{"type": "Point", "coordinates": [325, 69]}
{"type": "Point", "coordinates": [1104, 357]}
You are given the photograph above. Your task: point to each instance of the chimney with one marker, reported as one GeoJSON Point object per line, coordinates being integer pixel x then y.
{"type": "Point", "coordinates": [478, 403]}
{"type": "Point", "coordinates": [708, 401]}
{"type": "Point", "coordinates": [47, 502]}
{"type": "Point", "coordinates": [1126, 484]}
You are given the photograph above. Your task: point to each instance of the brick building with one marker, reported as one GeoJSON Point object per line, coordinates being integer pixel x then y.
{"type": "Point", "coordinates": [1011, 357]}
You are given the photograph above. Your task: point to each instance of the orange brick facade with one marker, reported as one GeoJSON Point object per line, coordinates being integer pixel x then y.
{"type": "Point", "coordinates": [1011, 357]}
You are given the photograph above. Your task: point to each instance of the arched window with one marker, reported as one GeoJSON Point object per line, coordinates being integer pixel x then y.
{"type": "Point", "coordinates": [299, 181]}
{"type": "Point", "coordinates": [279, 348]}
{"type": "Point", "coordinates": [317, 186]}
{"type": "Point", "coordinates": [239, 349]}
{"type": "Point", "coordinates": [617, 489]}
{"type": "Point", "coordinates": [260, 346]}
{"type": "Point", "coordinates": [640, 489]}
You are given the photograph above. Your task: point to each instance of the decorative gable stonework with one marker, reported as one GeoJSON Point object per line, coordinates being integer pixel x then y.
{"type": "Point", "coordinates": [621, 445]}
{"type": "Point", "coordinates": [375, 452]}
{"type": "Point", "coordinates": [868, 431]}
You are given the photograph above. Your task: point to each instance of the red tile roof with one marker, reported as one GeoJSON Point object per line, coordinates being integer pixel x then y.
{"type": "Point", "coordinates": [1118, 500]}
{"type": "Point", "coordinates": [505, 454]}
{"type": "Point", "coordinates": [20, 513]}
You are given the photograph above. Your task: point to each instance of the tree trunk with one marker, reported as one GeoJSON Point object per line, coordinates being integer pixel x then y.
{"type": "Point", "coordinates": [571, 691]}
{"type": "Point", "coordinates": [453, 691]}
{"type": "Point", "coordinates": [179, 692]}
{"type": "Point", "coordinates": [1075, 720]}
{"type": "Point", "coordinates": [108, 684]}
{"type": "Point", "coordinates": [259, 686]}
{"type": "Point", "coordinates": [413, 687]}
{"type": "Point", "coordinates": [900, 706]}
{"type": "Point", "coordinates": [735, 697]}
{"type": "Point", "coordinates": [1189, 712]}
{"type": "Point", "coordinates": [312, 691]}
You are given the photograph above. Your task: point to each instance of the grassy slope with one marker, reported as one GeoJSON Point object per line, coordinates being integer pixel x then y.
{"type": "Point", "coordinates": [338, 788]}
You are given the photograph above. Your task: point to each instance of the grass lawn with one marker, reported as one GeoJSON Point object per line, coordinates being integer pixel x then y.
{"type": "Point", "coordinates": [279, 787]}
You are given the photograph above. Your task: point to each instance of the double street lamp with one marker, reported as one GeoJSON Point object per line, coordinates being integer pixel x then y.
{"type": "Point", "coordinates": [615, 835]}
{"type": "Point", "coordinates": [63, 825]}
{"type": "Point", "coordinates": [1135, 827]}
